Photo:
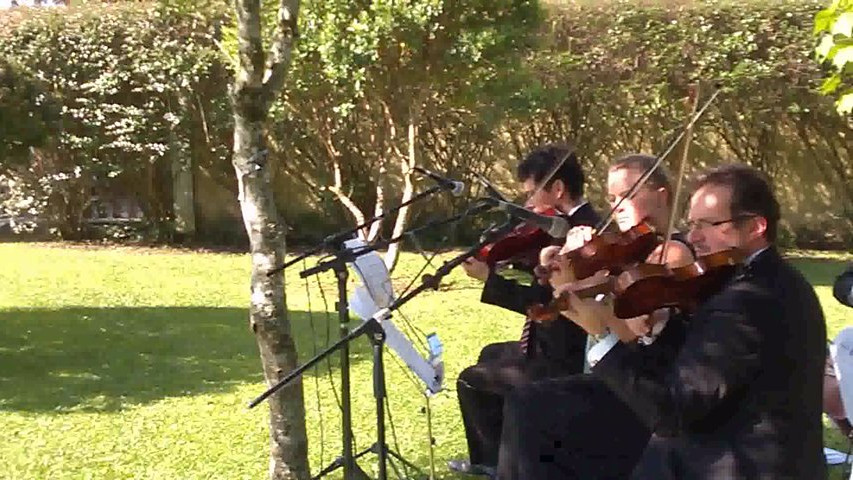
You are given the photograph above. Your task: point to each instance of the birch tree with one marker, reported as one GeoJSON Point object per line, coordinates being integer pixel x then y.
{"type": "Point", "coordinates": [259, 78]}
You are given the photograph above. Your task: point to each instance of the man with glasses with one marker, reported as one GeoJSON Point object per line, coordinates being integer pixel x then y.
{"type": "Point", "coordinates": [741, 396]}
{"type": "Point", "coordinates": [543, 351]}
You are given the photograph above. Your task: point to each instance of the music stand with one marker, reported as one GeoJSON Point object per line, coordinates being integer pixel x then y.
{"type": "Point", "coordinates": [373, 328]}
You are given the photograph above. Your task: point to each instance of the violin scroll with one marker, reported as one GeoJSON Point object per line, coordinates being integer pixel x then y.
{"type": "Point", "coordinates": [525, 242]}
{"type": "Point", "coordinates": [587, 288]}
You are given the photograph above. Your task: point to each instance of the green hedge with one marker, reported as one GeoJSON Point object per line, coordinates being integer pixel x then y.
{"type": "Point", "coordinates": [613, 76]}
{"type": "Point", "coordinates": [140, 86]}
{"type": "Point", "coordinates": [130, 80]}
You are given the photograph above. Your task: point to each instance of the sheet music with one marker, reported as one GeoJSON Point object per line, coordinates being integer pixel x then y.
{"type": "Point", "coordinates": [362, 304]}
{"type": "Point", "coordinates": [373, 273]}
{"type": "Point", "coordinates": [371, 300]}
{"type": "Point", "coordinates": [834, 457]}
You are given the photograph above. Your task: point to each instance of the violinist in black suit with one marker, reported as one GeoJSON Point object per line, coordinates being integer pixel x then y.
{"type": "Point", "coordinates": [741, 397]}
{"type": "Point", "coordinates": [543, 351]}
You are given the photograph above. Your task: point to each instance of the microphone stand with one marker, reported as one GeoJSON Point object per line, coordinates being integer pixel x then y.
{"type": "Point", "coordinates": [351, 255]}
{"type": "Point", "coordinates": [352, 471]}
{"type": "Point", "coordinates": [335, 240]}
{"type": "Point", "coordinates": [433, 281]}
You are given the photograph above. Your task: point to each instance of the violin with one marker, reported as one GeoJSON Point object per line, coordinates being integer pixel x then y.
{"type": "Point", "coordinates": [641, 288]}
{"type": "Point", "coordinates": [609, 253]}
{"type": "Point", "coordinates": [612, 251]}
{"type": "Point", "coordinates": [648, 287]}
{"type": "Point", "coordinates": [523, 242]}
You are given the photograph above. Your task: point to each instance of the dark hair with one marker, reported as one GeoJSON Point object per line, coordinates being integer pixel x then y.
{"type": "Point", "coordinates": [751, 193]}
{"type": "Point", "coordinates": [641, 163]}
{"type": "Point", "coordinates": [538, 163]}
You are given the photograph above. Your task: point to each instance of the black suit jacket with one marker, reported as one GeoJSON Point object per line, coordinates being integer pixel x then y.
{"type": "Point", "coordinates": [843, 287]}
{"type": "Point", "coordinates": [741, 399]}
{"type": "Point", "coordinates": [584, 215]}
{"type": "Point", "coordinates": [561, 341]}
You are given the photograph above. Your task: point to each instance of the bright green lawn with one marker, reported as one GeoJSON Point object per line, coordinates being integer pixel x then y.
{"type": "Point", "coordinates": [128, 363]}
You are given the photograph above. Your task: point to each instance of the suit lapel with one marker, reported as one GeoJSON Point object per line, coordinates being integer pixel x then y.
{"type": "Point", "coordinates": [764, 264]}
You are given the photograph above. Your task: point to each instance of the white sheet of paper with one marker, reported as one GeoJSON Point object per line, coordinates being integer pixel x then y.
{"type": "Point", "coordinates": [373, 273]}
{"type": "Point", "coordinates": [431, 372]}
{"type": "Point", "coordinates": [834, 457]}
{"type": "Point", "coordinates": [362, 304]}
{"type": "Point", "coordinates": [841, 352]}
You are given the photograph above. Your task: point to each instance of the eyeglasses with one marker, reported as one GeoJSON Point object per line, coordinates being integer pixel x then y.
{"type": "Point", "coordinates": [703, 224]}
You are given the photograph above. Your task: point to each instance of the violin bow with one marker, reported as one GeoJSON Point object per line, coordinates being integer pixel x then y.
{"type": "Point", "coordinates": [493, 193]}
{"type": "Point", "coordinates": [605, 222]}
{"type": "Point", "coordinates": [693, 102]}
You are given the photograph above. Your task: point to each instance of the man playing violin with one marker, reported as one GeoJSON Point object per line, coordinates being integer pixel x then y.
{"type": "Point", "coordinates": [575, 427]}
{"type": "Point", "coordinates": [740, 396]}
{"type": "Point", "coordinates": [544, 351]}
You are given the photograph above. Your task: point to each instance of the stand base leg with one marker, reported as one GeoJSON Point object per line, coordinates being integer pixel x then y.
{"type": "Point", "coordinates": [356, 472]}
{"type": "Point", "coordinates": [393, 455]}
{"type": "Point", "coordinates": [405, 462]}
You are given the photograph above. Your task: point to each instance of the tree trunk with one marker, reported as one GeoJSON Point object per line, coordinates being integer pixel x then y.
{"type": "Point", "coordinates": [346, 201]}
{"type": "Point", "coordinates": [183, 203]}
{"type": "Point", "coordinates": [258, 82]}
{"type": "Point", "coordinates": [407, 163]}
{"type": "Point", "coordinates": [378, 209]}
{"type": "Point", "coordinates": [267, 311]}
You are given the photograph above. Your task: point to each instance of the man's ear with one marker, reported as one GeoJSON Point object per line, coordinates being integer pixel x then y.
{"type": "Point", "coordinates": [558, 188]}
{"type": "Point", "coordinates": [759, 226]}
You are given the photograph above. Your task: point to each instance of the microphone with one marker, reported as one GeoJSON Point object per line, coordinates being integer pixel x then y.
{"type": "Point", "coordinates": [455, 186]}
{"type": "Point", "coordinates": [555, 226]}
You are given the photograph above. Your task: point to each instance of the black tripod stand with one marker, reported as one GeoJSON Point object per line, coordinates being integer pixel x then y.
{"type": "Point", "coordinates": [371, 327]}
{"type": "Point", "coordinates": [374, 332]}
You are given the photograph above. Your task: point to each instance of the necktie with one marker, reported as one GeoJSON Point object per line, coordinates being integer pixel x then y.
{"type": "Point", "coordinates": [526, 333]}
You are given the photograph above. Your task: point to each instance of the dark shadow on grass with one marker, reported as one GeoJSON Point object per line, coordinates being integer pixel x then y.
{"type": "Point", "coordinates": [102, 359]}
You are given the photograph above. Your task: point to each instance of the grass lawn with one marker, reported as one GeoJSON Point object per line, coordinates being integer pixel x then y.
{"type": "Point", "coordinates": [138, 363]}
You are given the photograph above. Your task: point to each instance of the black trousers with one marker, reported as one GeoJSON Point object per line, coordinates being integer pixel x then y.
{"type": "Point", "coordinates": [481, 389]}
{"type": "Point", "coordinates": [569, 428]}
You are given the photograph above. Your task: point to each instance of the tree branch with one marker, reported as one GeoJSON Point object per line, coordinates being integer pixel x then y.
{"type": "Point", "coordinates": [250, 46]}
{"type": "Point", "coordinates": [281, 52]}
